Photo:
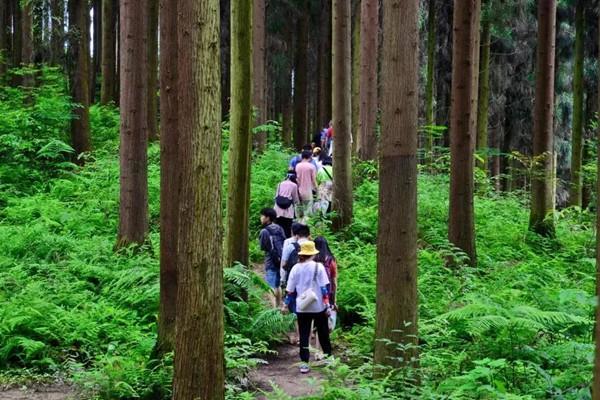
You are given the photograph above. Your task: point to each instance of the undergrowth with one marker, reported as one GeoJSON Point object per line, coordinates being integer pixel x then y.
{"type": "Point", "coordinates": [518, 326]}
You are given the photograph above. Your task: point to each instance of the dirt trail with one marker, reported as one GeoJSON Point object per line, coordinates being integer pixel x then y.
{"type": "Point", "coordinates": [58, 392]}
{"type": "Point", "coordinates": [282, 372]}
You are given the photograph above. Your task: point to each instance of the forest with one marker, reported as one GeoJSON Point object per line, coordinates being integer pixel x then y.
{"type": "Point", "coordinates": [312, 199]}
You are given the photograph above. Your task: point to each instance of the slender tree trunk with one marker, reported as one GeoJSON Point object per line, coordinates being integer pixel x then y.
{"type": "Point", "coordinates": [27, 33]}
{"type": "Point", "coordinates": [225, 10]}
{"type": "Point", "coordinates": [542, 202]}
{"type": "Point", "coordinates": [355, 73]}
{"type": "Point", "coordinates": [342, 62]}
{"type": "Point", "coordinates": [133, 222]}
{"type": "Point", "coordinates": [259, 70]}
{"type": "Point", "coordinates": [152, 70]}
{"type": "Point", "coordinates": [325, 61]}
{"type": "Point", "coordinates": [17, 33]}
{"type": "Point", "coordinates": [4, 29]}
{"type": "Point", "coordinates": [369, 32]}
{"type": "Point", "coordinates": [169, 176]}
{"type": "Point", "coordinates": [577, 139]}
{"type": "Point", "coordinates": [397, 308]}
{"type": "Point", "coordinates": [199, 366]}
{"type": "Point", "coordinates": [108, 92]}
{"type": "Point", "coordinates": [596, 376]}
{"type": "Point", "coordinates": [57, 39]}
{"type": "Point", "coordinates": [240, 142]}
{"type": "Point", "coordinates": [97, 59]}
{"type": "Point", "coordinates": [484, 95]}
{"type": "Point", "coordinates": [79, 74]}
{"type": "Point", "coordinates": [463, 125]}
{"type": "Point", "coordinates": [430, 85]}
{"type": "Point", "coordinates": [301, 77]}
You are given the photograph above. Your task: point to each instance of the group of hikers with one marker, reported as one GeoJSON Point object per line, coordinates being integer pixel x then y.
{"type": "Point", "coordinates": [302, 271]}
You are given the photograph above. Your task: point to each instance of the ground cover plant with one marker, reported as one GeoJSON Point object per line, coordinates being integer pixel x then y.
{"type": "Point", "coordinates": [517, 326]}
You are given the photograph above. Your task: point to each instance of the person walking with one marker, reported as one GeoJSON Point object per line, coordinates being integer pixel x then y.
{"type": "Point", "coordinates": [291, 248]}
{"type": "Point", "coordinates": [286, 198]}
{"type": "Point", "coordinates": [298, 158]}
{"type": "Point", "coordinates": [309, 280]}
{"type": "Point", "coordinates": [328, 260]}
{"type": "Point", "coordinates": [325, 182]}
{"type": "Point", "coordinates": [271, 238]}
{"type": "Point", "coordinates": [306, 174]}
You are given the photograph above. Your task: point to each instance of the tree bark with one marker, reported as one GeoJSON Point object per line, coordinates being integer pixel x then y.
{"type": "Point", "coordinates": [342, 62]}
{"type": "Point", "coordinates": [17, 33]}
{"type": "Point", "coordinates": [27, 34]}
{"type": "Point", "coordinates": [152, 70]}
{"type": "Point", "coordinates": [108, 92]}
{"type": "Point", "coordinates": [57, 38]}
{"type": "Point", "coordinates": [577, 136]}
{"type": "Point", "coordinates": [199, 365]}
{"type": "Point", "coordinates": [79, 74]}
{"type": "Point", "coordinates": [542, 202]}
{"type": "Point", "coordinates": [369, 31]}
{"type": "Point", "coordinates": [463, 124]}
{"type": "Point", "coordinates": [133, 222]}
{"type": "Point", "coordinates": [240, 140]}
{"type": "Point", "coordinates": [300, 77]}
{"type": "Point", "coordinates": [325, 61]}
{"type": "Point", "coordinates": [397, 305]}
{"type": "Point", "coordinates": [4, 30]}
{"type": "Point", "coordinates": [484, 95]}
{"type": "Point", "coordinates": [169, 176]}
{"type": "Point", "coordinates": [596, 376]}
{"type": "Point", "coordinates": [259, 76]}
{"type": "Point", "coordinates": [355, 73]}
{"type": "Point", "coordinates": [430, 84]}
{"type": "Point", "coordinates": [97, 31]}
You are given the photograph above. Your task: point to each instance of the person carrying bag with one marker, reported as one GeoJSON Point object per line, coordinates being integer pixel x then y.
{"type": "Point", "coordinates": [309, 280]}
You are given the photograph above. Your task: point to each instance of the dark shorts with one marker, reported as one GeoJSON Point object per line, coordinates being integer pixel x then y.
{"type": "Point", "coordinates": [273, 278]}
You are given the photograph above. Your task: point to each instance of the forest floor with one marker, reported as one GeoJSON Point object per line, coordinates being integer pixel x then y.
{"type": "Point", "coordinates": [281, 374]}
{"type": "Point", "coordinates": [54, 392]}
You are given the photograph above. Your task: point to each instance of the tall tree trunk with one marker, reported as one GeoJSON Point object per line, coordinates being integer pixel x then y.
{"type": "Point", "coordinates": [225, 10]}
{"type": "Point", "coordinates": [596, 376]}
{"type": "Point", "coordinates": [342, 148]}
{"type": "Point", "coordinates": [484, 94]}
{"type": "Point", "coordinates": [152, 69]}
{"type": "Point", "coordinates": [133, 221]}
{"type": "Point", "coordinates": [27, 33]}
{"type": "Point", "coordinates": [79, 74]}
{"type": "Point", "coordinates": [397, 310]}
{"type": "Point", "coordinates": [542, 202]}
{"type": "Point", "coordinates": [108, 90]}
{"type": "Point", "coordinates": [301, 77]}
{"type": "Point", "coordinates": [240, 142]}
{"type": "Point", "coordinates": [369, 31]}
{"type": "Point", "coordinates": [17, 33]}
{"type": "Point", "coordinates": [577, 138]}
{"type": "Point", "coordinates": [430, 84]}
{"type": "Point", "coordinates": [325, 61]}
{"type": "Point", "coordinates": [463, 125]}
{"type": "Point", "coordinates": [169, 176]}
{"type": "Point", "coordinates": [259, 74]}
{"type": "Point", "coordinates": [4, 30]}
{"type": "Point", "coordinates": [57, 38]}
{"type": "Point", "coordinates": [355, 73]}
{"type": "Point", "coordinates": [199, 366]}
{"type": "Point", "coordinates": [97, 32]}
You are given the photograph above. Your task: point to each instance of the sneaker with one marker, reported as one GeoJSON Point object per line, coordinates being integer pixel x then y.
{"type": "Point", "coordinates": [304, 369]}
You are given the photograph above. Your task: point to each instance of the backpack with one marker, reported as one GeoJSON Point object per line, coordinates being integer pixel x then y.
{"type": "Point", "coordinates": [293, 258]}
{"type": "Point", "coordinates": [277, 237]}
{"type": "Point", "coordinates": [283, 202]}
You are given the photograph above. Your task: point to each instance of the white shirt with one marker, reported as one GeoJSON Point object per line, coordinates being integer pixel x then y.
{"type": "Point", "coordinates": [301, 279]}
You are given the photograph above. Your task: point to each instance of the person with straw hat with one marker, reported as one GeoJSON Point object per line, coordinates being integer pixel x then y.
{"type": "Point", "coordinates": [308, 280]}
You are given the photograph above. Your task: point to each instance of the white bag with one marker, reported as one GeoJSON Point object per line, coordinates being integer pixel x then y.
{"type": "Point", "coordinates": [332, 320]}
{"type": "Point", "coordinates": [308, 297]}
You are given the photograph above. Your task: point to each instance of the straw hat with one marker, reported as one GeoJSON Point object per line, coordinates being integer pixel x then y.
{"type": "Point", "coordinates": [308, 249]}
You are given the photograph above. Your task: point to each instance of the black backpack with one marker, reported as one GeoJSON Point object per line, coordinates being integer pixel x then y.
{"type": "Point", "coordinates": [293, 258]}
{"type": "Point", "coordinates": [277, 238]}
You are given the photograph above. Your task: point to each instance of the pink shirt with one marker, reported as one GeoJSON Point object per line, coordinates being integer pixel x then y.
{"type": "Point", "coordinates": [306, 175]}
{"type": "Point", "coordinates": [290, 190]}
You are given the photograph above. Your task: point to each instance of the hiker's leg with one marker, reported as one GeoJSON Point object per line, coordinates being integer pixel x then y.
{"type": "Point", "coordinates": [304, 324]}
{"type": "Point", "coordinates": [277, 297]}
{"type": "Point", "coordinates": [322, 324]}
{"type": "Point", "coordinates": [273, 280]}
